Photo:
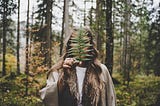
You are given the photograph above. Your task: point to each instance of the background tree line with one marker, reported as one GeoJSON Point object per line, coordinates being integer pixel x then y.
{"type": "Point", "coordinates": [126, 32]}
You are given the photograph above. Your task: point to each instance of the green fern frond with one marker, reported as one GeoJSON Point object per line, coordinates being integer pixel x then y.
{"type": "Point", "coordinates": [80, 46]}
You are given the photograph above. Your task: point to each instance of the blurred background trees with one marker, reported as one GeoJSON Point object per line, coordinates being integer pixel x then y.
{"type": "Point", "coordinates": [126, 33]}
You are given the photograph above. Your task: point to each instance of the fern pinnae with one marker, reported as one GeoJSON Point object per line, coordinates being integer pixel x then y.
{"type": "Point", "coordinates": [80, 46]}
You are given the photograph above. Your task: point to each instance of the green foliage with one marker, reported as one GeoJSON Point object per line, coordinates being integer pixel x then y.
{"type": "Point", "coordinates": [37, 59]}
{"type": "Point", "coordinates": [137, 32]}
{"type": "Point", "coordinates": [80, 46]}
{"type": "Point", "coordinates": [10, 63]}
{"type": "Point", "coordinates": [152, 47]}
{"type": "Point", "coordinates": [10, 38]}
{"type": "Point", "coordinates": [141, 91]}
{"type": "Point", "coordinates": [12, 90]}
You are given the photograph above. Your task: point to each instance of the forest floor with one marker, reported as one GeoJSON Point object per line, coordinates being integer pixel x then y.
{"type": "Point", "coordinates": [142, 90]}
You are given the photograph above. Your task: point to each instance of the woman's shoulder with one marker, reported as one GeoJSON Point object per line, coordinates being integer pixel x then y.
{"type": "Point", "coordinates": [55, 69]}
{"type": "Point", "coordinates": [53, 76]}
{"type": "Point", "coordinates": [104, 68]}
{"type": "Point", "coordinates": [105, 73]}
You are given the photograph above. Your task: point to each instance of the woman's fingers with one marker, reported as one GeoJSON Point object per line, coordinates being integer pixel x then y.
{"type": "Point", "coordinates": [68, 62]}
{"type": "Point", "coordinates": [66, 66]}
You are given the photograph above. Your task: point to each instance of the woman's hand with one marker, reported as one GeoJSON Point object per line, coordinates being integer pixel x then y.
{"type": "Point", "coordinates": [68, 62]}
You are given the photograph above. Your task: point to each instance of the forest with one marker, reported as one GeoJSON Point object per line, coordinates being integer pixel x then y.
{"type": "Point", "coordinates": [33, 34]}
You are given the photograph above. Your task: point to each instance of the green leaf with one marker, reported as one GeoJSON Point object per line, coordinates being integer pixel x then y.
{"type": "Point", "coordinates": [80, 45]}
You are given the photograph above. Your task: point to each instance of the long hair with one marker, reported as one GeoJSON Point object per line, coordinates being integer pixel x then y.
{"type": "Point", "coordinates": [92, 86]}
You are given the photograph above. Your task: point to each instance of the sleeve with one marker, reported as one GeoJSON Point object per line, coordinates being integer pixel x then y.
{"type": "Point", "coordinates": [110, 91]}
{"type": "Point", "coordinates": [49, 94]}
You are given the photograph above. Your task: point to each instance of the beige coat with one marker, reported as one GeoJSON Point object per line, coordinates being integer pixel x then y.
{"type": "Point", "coordinates": [49, 94]}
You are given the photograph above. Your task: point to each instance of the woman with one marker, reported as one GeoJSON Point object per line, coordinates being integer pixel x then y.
{"type": "Point", "coordinates": [79, 83]}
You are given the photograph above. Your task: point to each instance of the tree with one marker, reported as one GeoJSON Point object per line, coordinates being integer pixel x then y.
{"type": "Point", "coordinates": [10, 45]}
{"type": "Point", "coordinates": [130, 30]}
{"type": "Point", "coordinates": [97, 19]}
{"type": "Point", "coordinates": [6, 9]}
{"type": "Point", "coordinates": [153, 47]}
{"type": "Point", "coordinates": [1, 44]}
{"type": "Point", "coordinates": [18, 43]}
{"type": "Point", "coordinates": [44, 30]}
{"type": "Point", "coordinates": [65, 24]}
{"type": "Point", "coordinates": [48, 22]}
{"type": "Point", "coordinates": [109, 37]}
{"type": "Point", "coordinates": [27, 51]}
{"type": "Point", "coordinates": [126, 58]}
{"type": "Point", "coordinates": [98, 24]}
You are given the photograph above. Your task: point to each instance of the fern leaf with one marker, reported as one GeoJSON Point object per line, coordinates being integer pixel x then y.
{"type": "Point", "coordinates": [80, 46]}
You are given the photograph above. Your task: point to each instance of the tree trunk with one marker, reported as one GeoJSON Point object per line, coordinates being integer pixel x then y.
{"type": "Point", "coordinates": [126, 43]}
{"type": "Point", "coordinates": [121, 46]}
{"type": "Point", "coordinates": [18, 43]}
{"type": "Point", "coordinates": [48, 33]}
{"type": "Point", "coordinates": [91, 17]}
{"type": "Point", "coordinates": [98, 2]}
{"type": "Point", "coordinates": [65, 24]}
{"type": "Point", "coordinates": [66, 20]}
{"type": "Point", "coordinates": [84, 13]}
{"type": "Point", "coordinates": [109, 37]}
{"type": "Point", "coordinates": [27, 51]}
{"type": "Point", "coordinates": [62, 33]}
{"type": "Point", "coordinates": [31, 39]}
{"type": "Point", "coordinates": [4, 39]}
